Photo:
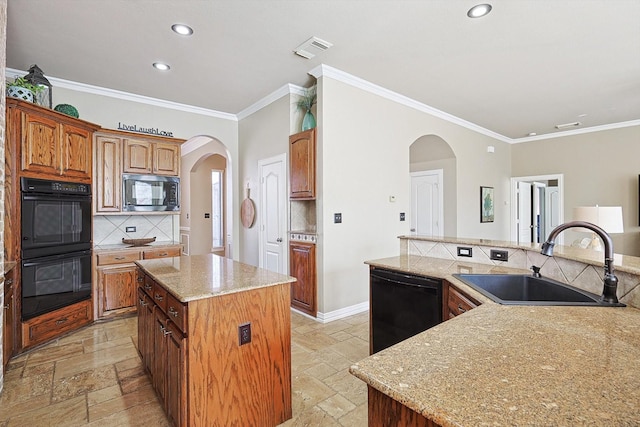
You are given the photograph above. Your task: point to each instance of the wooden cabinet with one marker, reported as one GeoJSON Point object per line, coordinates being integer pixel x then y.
{"type": "Point", "coordinates": [117, 281]}
{"type": "Point", "coordinates": [118, 152]}
{"type": "Point", "coordinates": [385, 411]}
{"type": "Point", "coordinates": [50, 325]}
{"type": "Point", "coordinates": [162, 346]}
{"type": "Point", "coordinates": [146, 157]}
{"type": "Point", "coordinates": [203, 335]}
{"type": "Point", "coordinates": [457, 302]}
{"type": "Point", "coordinates": [108, 174]}
{"type": "Point", "coordinates": [9, 319]}
{"type": "Point", "coordinates": [302, 167]}
{"type": "Point", "coordinates": [51, 145]}
{"type": "Point", "coordinates": [302, 266]}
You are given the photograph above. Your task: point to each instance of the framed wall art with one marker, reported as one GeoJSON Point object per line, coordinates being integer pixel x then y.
{"type": "Point", "coordinates": [487, 204]}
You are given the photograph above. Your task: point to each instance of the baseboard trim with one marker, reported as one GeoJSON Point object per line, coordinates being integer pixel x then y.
{"type": "Point", "coordinates": [337, 314]}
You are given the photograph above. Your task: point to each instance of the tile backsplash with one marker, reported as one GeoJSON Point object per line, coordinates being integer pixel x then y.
{"type": "Point", "coordinates": [110, 230]}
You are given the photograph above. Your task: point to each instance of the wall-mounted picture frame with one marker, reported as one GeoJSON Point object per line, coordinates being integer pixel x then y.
{"type": "Point", "coordinates": [487, 204]}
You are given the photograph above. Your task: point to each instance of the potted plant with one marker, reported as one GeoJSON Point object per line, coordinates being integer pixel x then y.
{"type": "Point", "coordinates": [305, 103]}
{"type": "Point", "coordinates": [22, 89]}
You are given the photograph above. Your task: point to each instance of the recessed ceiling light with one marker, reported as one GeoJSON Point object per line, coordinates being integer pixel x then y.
{"type": "Point", "coordinates": [568, 125]}
{"type": "Point", "coordinates": [183, 30]}
{"type": "Point", "coordinates": [531, 134]}
{"type": "Point", "coordinates": [161, 66]}
{"type": "Point", "coordinates": [479, 10]}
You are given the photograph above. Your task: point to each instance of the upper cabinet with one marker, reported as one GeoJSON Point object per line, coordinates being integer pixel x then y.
{"type": "Point", "coordinates": [302, 157]}
{"type": "Point", "coordinates": [121, 152]}
{"type": "Point", "coordinates": [50, 144]}
{"type": "Point", "coordinates": [146, 157]}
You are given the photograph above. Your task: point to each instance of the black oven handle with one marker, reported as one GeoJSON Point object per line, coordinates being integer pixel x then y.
{"type": "Point", "coordinates": [55, 197]}
{"type": "Point", "coordinates": [36, 261]}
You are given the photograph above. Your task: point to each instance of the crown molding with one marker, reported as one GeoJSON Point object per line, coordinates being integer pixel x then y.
{"type": "Point", "coordinates": [288, 89]}
{"type": "Point", "coordinates": [323, 70]}
{"type": "Point", "coordinates": [577, 131]}
{"type": "Point", "coordinates": [125, 96]}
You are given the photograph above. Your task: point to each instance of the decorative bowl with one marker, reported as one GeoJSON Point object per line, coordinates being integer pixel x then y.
{"type": "Point", "coordinates": [138, 242]}
{"type": "Point", "coordinates": [67, 109]}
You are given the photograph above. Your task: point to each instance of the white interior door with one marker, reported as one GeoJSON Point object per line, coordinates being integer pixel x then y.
{"type": "Point", "coordinates": [552, 211]}
{"type": "Point", "coordinates": [427, 212]}
{"type": "Point", "coordinates": [525, 219]}
{"type": "Point", "coordinates": [273, 214]}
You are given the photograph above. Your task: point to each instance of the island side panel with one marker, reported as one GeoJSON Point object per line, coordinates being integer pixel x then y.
{"type": "Point", "coordinates": [231, 384]}
{"type": "Point", "coordinates": [384, 412]}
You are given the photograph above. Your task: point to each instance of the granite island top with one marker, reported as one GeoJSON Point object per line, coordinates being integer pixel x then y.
{"type": "Point", "coordinates": [513, 365]}
{"type": "Point", "coordinates": [195, 277]}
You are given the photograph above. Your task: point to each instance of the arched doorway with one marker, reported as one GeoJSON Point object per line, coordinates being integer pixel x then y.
{"type": "Point", "coordinates": [432, 164]}
{"type": "Point", "coordinates": [201, 157]}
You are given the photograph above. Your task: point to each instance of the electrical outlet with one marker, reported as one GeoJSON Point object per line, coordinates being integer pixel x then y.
{"type": "Point", "coordinates": [244, 333]}
{"type": "Point", "coordinates": [465, 251]}
{"type": "Point", "coordinates": [497, 255]}
{"type": "Point", "coordinates": [337, 218]}
{"type": "Point", "coordinates": [402, 216]}
{"type": "Point", "coordinates": [207, 215]}
{"type": "Point", "coordinates": [131, 229]}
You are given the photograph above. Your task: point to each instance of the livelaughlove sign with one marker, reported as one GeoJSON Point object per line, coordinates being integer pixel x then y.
{"type": "Point", "coordinates": [150, 131]}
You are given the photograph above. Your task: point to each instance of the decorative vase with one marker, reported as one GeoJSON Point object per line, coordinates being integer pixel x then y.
{"type": "Point", "coordinates": [308, 121]}
{"type": "Point", "coordinates": [67, 109]}
{"type": "Point", "coordinates": [20, 92]}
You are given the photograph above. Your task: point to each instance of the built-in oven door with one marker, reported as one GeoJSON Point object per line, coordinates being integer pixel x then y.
{"type": "Point", "coordinates": [53, 224]}
{"type": "Point", "coordinates": [53, 282]}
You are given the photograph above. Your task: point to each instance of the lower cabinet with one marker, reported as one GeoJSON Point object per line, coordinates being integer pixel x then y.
{"type": "Point", "coordinates": [43, 328]}
{"type": "Point", "coordinates": [302, 266]}
{"type": "Point", "coordinates": [162, 346]}
{"type": "Point", "coordinates": [385, 411]}
{"type": "Point", "coordinates": [457, 302]}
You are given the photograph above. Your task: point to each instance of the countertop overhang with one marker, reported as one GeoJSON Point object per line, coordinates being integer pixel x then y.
{"type": "Point", "coordinates": [196, 277]}
{"type": "Point", "coordinates": [513, 365]}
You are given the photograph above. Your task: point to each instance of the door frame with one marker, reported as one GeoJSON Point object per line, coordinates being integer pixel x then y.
{"type": "Point", "coordinates": [261, 206]}
{"type": "Point", "coordinates": [513, 220]}
{"type": "Point", "coordinates": [440, 174]}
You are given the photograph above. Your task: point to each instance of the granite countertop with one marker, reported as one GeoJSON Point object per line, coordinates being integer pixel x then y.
{"type": "Point", "coordinates": [513, 365]}
{"type": "Point", "coordinates": [122, 246]}
{"type": "Point", "coordinates": [196, 277]}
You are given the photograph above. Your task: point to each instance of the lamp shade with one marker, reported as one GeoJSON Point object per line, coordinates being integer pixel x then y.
{"type": "Point", "coordinates": [609, 218]}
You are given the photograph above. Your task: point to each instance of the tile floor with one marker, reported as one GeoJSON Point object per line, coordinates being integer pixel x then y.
{"type": "Point", "coordinates": [94, 377]}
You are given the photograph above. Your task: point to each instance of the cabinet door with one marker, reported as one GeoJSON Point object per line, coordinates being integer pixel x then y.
{"type": "Point", "coordinates": [76, 152]}
{"type": "Point", "coordinates": [118, 286]}
{"type": "Point", "coordinates": [161, 253]}
{"type": "Point", "coordinates": [302, 258]}
{"type": "Point", "coordinates": [107, 173]}
{"type": "Point", "coordinates": [458, 302]}
{"type": "Point", "coordinates": [40, 145]}
{"type": "Point", "coordinates": [147, 323]}
{"type": "Point", "coordinates": [166, 159]}
{"type": "Point", "coordinates": [137, 156]}
{"type": "Point", "coordinates": [142, 334]}
{"type": "Point", "coordinates": [159, 368]}
{"type": "Point", "coordinates": [302, 156]}
{"type": "Point", "coordinates": [176, 376]}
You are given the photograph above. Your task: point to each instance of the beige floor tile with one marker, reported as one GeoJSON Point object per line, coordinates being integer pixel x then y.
{"type": "Point", "coordinates": [81, 383]}
{"type": "Point", "coordinates": [308, 391]}
{"type": "Point", "coordinates": [103, 395]}
{"type": "Point", "coordinates": [354, 349]}
{"type": "Point", "coordinates": [53, 353]}
{"type": "Point", "coordinates": [70, 413]}
{"type": "Point", "coordinates": [105, 409]}
{"type": "Point", "coordinates": [14, 408]}
{"type": "Point", "coordinates": [348, 386]}
{"type": "Point", "coordinates": [147, 414]}
{"type": "Point", "coordinates": [83, 362]}
{"type": "Point", "coordinates": [133, 379]}
{"type": "Point", "coordinates": [356, 418]}
{"type": "Point", "coordinates": [18, 391]}
{"type": "Point", "coordinates": [320, 371]}
{"type": "Point", "coordinates": [42, 368]}
{"type": "Point", "coordinates": [337, 406]}
{"type": "Point", "coordinates": [92, 346]}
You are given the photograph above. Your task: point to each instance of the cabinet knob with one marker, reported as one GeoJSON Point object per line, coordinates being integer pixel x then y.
{"type": "Point", "coordinates": [166, 332]}
{"type": "Point", "coordinates": [163, 254]}
{"type": "Point", "coordinates": [460, 309]}
{"type": "Point", "coordinates": [173, 312]}
{"type": "Point", "coordinates": [279, 239]}
{"type": "Point", "coordinates": [9, 282]}
{"type": "Point", "coordinates": [159, 297]}
{"type": "Point", "coordinates": [61, 321]}
{"type": "Point", "coordinates": [119, 258]}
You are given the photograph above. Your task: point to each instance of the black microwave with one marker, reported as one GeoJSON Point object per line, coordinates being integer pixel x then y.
{"type": "Point", "coordinates": [150, 193]}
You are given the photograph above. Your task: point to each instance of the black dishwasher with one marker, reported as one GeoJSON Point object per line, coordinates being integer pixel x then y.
{"type": "Point", "coordinates": [402, 305]}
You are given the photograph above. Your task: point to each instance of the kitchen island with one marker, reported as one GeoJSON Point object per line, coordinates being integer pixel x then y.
{"type": "Point", "coordinates": [507, 365]}
{"type": "Point", "coordinates": [215, 337]}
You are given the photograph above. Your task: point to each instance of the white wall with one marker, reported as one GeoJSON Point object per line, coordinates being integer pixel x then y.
{"type": "Point", "coordinates": [363, 149]}
{"type": "Point", "coordinates": [263, 134]}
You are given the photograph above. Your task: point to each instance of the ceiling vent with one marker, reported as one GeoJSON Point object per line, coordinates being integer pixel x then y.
{"type": "Point", "coordinates": [568, 125]}
{"type": "Point", "coordinates": [314, 43]}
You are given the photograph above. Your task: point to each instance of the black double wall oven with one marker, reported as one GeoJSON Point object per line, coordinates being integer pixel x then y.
{"type": "Point", "coordinates": [56, 245]}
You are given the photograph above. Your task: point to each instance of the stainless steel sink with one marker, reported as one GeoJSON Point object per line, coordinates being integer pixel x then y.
{"type": "Point", "coordinates": [523, 289]}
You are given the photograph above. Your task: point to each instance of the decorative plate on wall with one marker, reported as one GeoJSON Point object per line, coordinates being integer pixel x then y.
{"type": "Point", "coordinates": [247, 212]}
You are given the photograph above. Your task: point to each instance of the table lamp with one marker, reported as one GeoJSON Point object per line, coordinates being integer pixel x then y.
{"type": "Point", "coordinates": [609, 218]}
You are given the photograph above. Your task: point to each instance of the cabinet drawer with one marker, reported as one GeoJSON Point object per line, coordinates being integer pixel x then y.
{"type": "Point", "coordinates": [177, 312]}
{"type": "Point", "coordinates": [147, 284]}
{"type": "Point", "coordinates": [459, 302]}
{"type": "Point", "coordinates": [47, 326]}
{"type": "Point", "coordinates": [119, 257]}
{"type": "Point", "coordinates": [160, 296]}
{"type": "Point", "coordinates": [161, 253]}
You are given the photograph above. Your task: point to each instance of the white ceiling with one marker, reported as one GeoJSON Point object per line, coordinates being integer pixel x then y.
{"type": "Point", "coordinates": [525, 67]}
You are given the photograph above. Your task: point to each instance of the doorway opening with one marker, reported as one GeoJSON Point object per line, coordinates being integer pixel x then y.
{"type": "Point", "coordinates": [537, 207]}
{"type": "Point", "coordinates": [217, 208]}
